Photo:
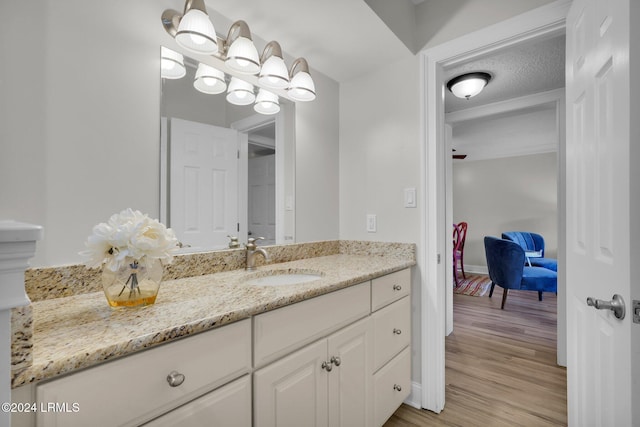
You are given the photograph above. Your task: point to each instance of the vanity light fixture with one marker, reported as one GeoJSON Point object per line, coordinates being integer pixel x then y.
{"type": "Point", "coordinates": [209, 80]}
{"type": "Point", "coordinates": [469, 84]}
{"type": "Point", "coordinates": [240, 92]}
{"type": "Point", "coordinates": [241, 55]}
{"type": "Point", "coordinates": [301, 87]}
{"type": "Point", "coordinates": [274, 73]}
{"type": "Point", "coordinates": [171, 64]}
{"type": "Point", "coordinates": [195, 31]}
{"type": "Point", "coordinates": [267, 102]}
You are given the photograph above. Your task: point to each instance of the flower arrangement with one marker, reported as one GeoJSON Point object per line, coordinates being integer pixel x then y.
{"type": "Point", "coordinates": [129, 236]}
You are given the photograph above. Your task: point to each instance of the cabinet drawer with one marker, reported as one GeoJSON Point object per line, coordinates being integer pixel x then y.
{"type": "Point", "coordinates": [281, 331]}
{"type": "Point", "coordinates": [134, 389]}
{"type": "Point", "coordinates": [229, 405]}
{"type": "Point", "coordinates": [391, 331]}
{"type": "Point", "coordinates": [391, 386]}
{"type": "Point", "coordinates": [389, 288]}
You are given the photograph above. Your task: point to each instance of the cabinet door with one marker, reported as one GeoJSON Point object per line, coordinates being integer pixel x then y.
{"type": "Point", "coordinates": [229, 405]}
{"type": "Point", "coordinates": [292, 392]}
{"type": "Point", "coordinates": [349, 381]}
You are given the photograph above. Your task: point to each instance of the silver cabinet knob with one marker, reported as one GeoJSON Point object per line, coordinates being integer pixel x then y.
{"type": "Point", "coordinates": [397, 287]}
{"type": "Point", "coordinates": [175, 378]}
{"type": "Point", "coordinates": [397, 331]}
{"type": "Point", "coordinates": [336, 360]}
{"type": "Point", "coordinates": [328, 366]}
{"type": "Point", "coordinates": [616, 305]}
{"type": "Point", "coordinates": [397, 387]}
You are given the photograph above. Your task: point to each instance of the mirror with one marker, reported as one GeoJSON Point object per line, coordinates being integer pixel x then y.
{"type": "Point", "coordinates": [225, 169]}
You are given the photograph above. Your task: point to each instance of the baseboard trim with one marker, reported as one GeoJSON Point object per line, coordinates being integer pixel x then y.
{"type": "Point", "coordinates": [477, 269]}
{"type": "Point", "coordinates": [415, 397]}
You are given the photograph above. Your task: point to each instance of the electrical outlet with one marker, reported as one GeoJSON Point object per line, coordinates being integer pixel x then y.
{"type": "Point", "coordinates": [371, 223]}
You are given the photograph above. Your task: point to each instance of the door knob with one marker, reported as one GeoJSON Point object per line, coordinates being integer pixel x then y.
{"type": "Point", "coordinates": [175, 378]}
{"type": "Point", "coordinates": [328, 366]}
{"type": "Point", "coordinates": [616, 305]}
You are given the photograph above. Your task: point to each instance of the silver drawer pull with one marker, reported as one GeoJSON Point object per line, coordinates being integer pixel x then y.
{"type": "Point", "coordinates": [328, 366]}
{"type": "Point", "coordinates": [336, 360]}
{"type": "Point", "coordinates": [397, 287]}
{"type": "Point", "coordinates": [397, 331]}
{"type": "Point", "coordinates": [175, 378]}
{"type": "Point", "coordinates": [397, 387]}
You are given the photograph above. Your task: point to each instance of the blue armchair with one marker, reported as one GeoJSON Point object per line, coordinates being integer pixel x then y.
{"type": "Point", "coordinates": [532, 242]}
{"type": "Point", "coordinates": [505, 260]}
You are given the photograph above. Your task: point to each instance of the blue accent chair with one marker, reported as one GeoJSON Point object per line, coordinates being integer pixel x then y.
{"type": "Point", "coordinates": [535, 243]}
{"type": "Point", "coordinates": [507, 269]}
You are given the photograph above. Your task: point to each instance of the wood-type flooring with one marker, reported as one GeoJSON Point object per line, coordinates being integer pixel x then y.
{"type": "Point", "coordinates": [500, 366]}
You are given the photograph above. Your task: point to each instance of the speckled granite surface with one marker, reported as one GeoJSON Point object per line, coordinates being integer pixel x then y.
{"type": "Point", "coordinates": [81, 330]}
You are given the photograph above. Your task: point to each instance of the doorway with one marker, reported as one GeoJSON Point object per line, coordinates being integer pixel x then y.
{"type": "Point", "coordinates": [546, 21]}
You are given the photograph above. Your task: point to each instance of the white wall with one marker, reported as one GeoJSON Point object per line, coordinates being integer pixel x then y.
{"type": "Point", "coordinates": [80, 120]}
{"type": "Point", "coordinates": [379, 149]}
{"type": "Point", "coordinates": [507, 194]}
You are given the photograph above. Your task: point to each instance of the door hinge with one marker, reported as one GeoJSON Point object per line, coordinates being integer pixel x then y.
{"type": "Point", "coordinates": [238, 228]}
{"type": "Point", "coordinates": [636, 311]}
{"type": "Point", "coordinates": [438, 258]}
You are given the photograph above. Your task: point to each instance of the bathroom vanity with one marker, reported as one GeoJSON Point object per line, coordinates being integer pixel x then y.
{"type": "Point", "coordinates": [220, 349]}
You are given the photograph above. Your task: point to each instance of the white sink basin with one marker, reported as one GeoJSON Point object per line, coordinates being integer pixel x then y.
{"type": "Point", "coordinates": [284, 278]}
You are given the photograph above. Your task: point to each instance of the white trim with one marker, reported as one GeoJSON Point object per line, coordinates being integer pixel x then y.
{"type": "Point", "coordinates": [257, 121]}
{"type": "Point", "coordinates": [504, 107]}
{"type": "Point", "coordinates": [415, 397]}
{"type": "Point", "coordinates": [545, 21]}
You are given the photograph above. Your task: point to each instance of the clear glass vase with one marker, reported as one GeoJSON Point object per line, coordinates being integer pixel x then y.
{"type": "Point", "coordinates": [136, 283]}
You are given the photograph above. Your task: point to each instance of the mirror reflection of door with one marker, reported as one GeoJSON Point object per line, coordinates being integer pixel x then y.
{"type": "Point", "coordinates": [262, 184]}
{"type": "Point", "coordinates": [203, 189]}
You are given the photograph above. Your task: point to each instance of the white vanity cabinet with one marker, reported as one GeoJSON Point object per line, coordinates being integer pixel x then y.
{"type": "Point", "coordinates": [326, 383]}
{"type": "Point", "coordinates": [134, 389]}
{"type": "Point", "coordinates": [391, 316]}
{"type": "Point", "coordinates": [341, 359]}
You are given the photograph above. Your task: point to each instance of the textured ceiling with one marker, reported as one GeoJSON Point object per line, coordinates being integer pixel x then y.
{"type": "Point", "coordinates": [518, 71]}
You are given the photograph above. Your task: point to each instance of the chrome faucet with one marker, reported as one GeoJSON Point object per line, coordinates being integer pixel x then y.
{"type": "Point", "coordinates": [252, 250]}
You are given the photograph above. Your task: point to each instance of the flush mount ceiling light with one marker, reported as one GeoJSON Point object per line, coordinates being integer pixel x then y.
{"type": "Point", "coordinates": [240, 92]}
{"type": "Point", "coordinates": [468, 85]}
{"type": "Point", "coordinates": [194, 31]}
{"type": "Point", "coordinates": [171, 64]}
{"type": "Point", "coordinates": [241, 56]}
{"type": "Point", "coordinates": [266, 102]}
{"type": "Point", "coordinates": [274, 73]}
{"type": "Point", "coordinates": [209, 80]}
{"type": "Point", "coordinates": [301, 86]}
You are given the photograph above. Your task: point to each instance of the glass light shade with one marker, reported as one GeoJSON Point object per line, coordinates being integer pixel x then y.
{"type": "Point", "coordinates": [240, 92]}
{"type": "Point", "coordinates": [468, 85]}
{"type": "Point", "coordinates": [302, 87]}
{"type": "Point", "coordinates": [267, 102]}
{"type": "Point", "coordinates": [274, 73]}
{"type": "Point", "coordinates": [209, 80]}
{"type": "Point", "coordinates": [196, 33]}
{"type": "Point", "coordinates": [243, 57]}
{"type": "Point", "coordinates": [171, 64]}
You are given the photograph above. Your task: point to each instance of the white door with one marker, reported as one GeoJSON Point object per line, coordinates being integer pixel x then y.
{"type": "Point", "coordinates": [203, 190]}
{"type": "Point", "coordinates": [262, 198]}
{"type": "Point", "coordinates": [601, 234]}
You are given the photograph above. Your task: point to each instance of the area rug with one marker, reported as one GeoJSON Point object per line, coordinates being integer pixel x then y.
{"type": "Point", "coordinates": [475, 285]}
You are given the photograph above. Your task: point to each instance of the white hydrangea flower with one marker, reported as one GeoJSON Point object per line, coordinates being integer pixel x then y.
{"type": "Point", "coordinates": [129, 235]}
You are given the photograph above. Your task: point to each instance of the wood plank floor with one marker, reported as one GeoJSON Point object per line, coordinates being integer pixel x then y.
{"type": "Point", "coordinates": [500, 366]}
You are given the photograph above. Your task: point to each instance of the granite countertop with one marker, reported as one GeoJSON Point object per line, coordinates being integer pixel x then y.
{"type": "Point", "coordinates": [79, 331]}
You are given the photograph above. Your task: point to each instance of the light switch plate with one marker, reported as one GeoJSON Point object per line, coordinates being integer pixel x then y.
{"type": "Point", "coordinates": [410, 197]}
{"type": "Point", "coordinates": [371, 223]}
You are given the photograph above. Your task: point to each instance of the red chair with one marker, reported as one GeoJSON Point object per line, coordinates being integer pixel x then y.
{"type": "Point", "coordinates": [459, 236]}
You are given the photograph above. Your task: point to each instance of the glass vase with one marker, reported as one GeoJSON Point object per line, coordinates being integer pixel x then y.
{"type": "Point", "coordinates": [134, 284]}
